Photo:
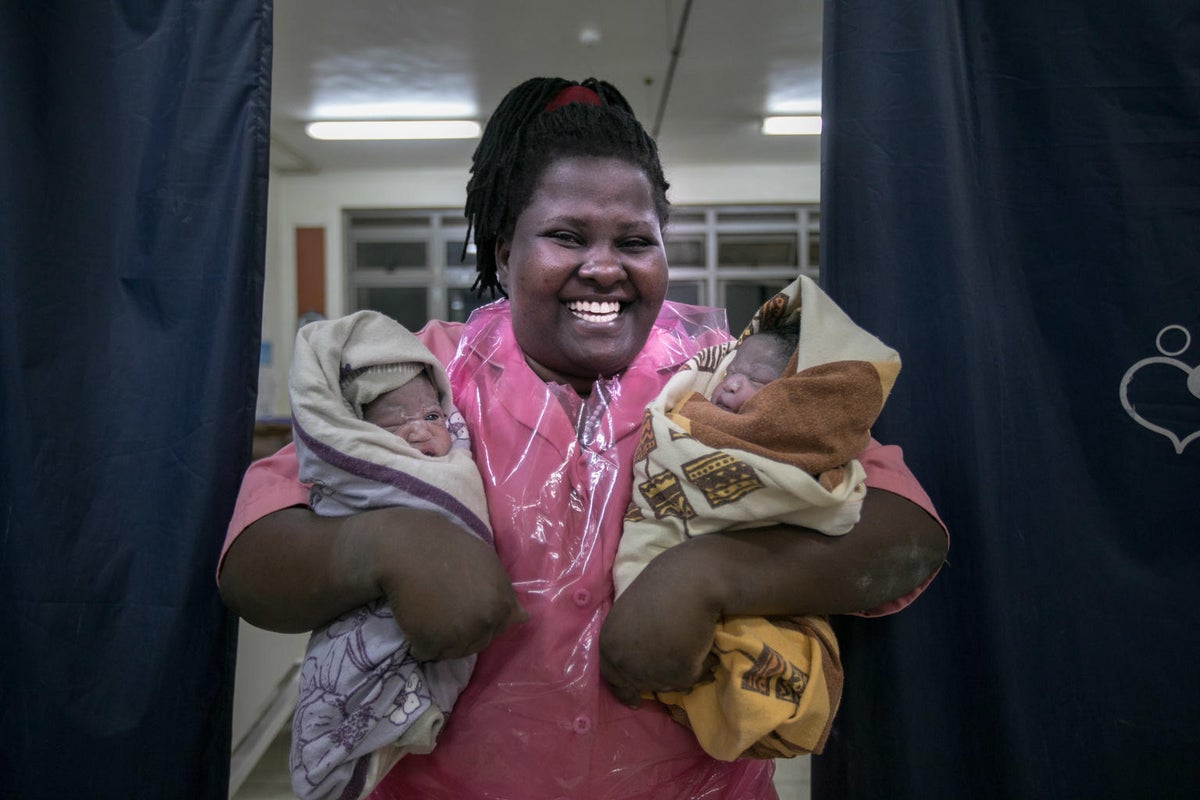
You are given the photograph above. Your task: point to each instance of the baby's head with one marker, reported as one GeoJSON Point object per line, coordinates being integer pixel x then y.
{"type": "Point", "coordinates": [413, 413]}
{"type": "Point", "coordinates": [759, 359]}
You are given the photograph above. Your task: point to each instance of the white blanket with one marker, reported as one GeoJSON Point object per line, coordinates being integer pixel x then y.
{"type": "Point", "coordinates": [364, 701]}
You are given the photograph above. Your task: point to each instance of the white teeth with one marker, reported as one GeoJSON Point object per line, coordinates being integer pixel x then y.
{"type": "Point", "coordinates": [594, 310]}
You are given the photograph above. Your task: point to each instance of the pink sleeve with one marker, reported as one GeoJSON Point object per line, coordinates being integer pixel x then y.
{"type": "Point", "coordinates": [272, 484]}
{"type": "Point", "coordinates": [886, 470]}
{"type": "Point", "coordinates": [269, 485]}
{"type": "Point", "coordinates": [441, 338]}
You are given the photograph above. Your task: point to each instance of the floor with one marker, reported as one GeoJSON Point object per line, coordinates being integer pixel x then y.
{"type": "Point", "coordinates": [269, 778]}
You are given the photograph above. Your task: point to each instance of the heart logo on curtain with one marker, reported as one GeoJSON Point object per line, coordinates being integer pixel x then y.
{"type": "Point", "coordinates": [1163, 375]}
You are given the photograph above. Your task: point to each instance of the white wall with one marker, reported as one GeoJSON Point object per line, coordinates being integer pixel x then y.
{"type": "Point", "coordinates": [318, 200]}
{"type": "Point", "coordinates": [264, 660]}
{"type": "Point", "coordinates": [278, 282]}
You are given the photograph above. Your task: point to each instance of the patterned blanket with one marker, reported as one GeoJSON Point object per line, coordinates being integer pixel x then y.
{"type": "Point", "coordinates": [786, 458]}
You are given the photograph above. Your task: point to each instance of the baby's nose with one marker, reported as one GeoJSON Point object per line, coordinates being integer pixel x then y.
{"type": "Point", "coordinates": [417, 431]}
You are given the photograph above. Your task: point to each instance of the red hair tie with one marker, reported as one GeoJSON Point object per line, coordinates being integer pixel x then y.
{"type": "Point", "coordinates": [573, 94]}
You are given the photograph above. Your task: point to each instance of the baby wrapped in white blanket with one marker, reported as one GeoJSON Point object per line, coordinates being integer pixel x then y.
{"type": "Point", "coordinates": [364, 702]}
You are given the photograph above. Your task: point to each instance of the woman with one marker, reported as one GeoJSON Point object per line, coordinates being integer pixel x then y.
{"type": "Point", "coordinates": [567, 199]}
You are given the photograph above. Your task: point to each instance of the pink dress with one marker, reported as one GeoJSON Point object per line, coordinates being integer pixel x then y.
{"type": "Point", "coordinates": [537, 720]}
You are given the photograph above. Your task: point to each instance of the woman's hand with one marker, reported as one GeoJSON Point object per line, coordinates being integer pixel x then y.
{"type": "Point", "coordinates": [293, 571]}
{"type": "Point", "coordinates": [659, 634]}
{"type": "Point", "coordinates": [447, 589]}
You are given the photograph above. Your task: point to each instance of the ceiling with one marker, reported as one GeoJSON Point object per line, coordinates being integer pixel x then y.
{"type": "Point", "coordinates": [736, 60]}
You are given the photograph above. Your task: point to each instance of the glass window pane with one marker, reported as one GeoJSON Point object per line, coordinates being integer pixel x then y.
{"type": "Point", "coordinates": [408, 306]}
{"type": "Point", "coordinates": [757, 250]}
{"type": "Point", "coordinates": [463, 302]}
{"type": "Point", "coordinates": [686, 292]}
{"type": "Point", "coordinates": [743, 299]}
{"type": "Point", "coordinates": [814, 249]}
{"type": "Point", "coordinates": [685, 251]}
{"type": "Point", "coordinates": [455, 256]}
{"type": "Point", "coordinates": [390, 255]}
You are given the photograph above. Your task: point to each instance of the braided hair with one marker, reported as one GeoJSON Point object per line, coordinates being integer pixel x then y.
{"type": "Point", "coordinates": [523, 138]}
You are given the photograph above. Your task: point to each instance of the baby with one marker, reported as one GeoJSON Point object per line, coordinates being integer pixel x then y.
{"type": "Point", "coordinates": [374, 426]}
{"type": "Point", "coordinates": [760, 434]}
{"type": "Point", "coordinates": [414, 413]}
{"type": "Point", "coordinates": [759, 359]}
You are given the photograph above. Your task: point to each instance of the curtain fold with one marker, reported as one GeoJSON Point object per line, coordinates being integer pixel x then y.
{"type": "Point", "coordinates": [134, 139]}
{"type": "Point", "coordinates": [1012, 199]}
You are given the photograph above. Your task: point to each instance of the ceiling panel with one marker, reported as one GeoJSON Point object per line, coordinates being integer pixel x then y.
{"type": "Point", "coordinates": [377, 58]}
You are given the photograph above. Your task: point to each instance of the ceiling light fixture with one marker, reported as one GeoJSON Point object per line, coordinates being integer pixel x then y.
{"type": "Point", "coordinates": [359, 129]}
{"type": "Point", "coordinates": [792, 126]}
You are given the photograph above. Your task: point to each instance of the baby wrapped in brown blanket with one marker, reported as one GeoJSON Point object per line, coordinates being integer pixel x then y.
{"type": "Point", "coordinates": [732, 443]}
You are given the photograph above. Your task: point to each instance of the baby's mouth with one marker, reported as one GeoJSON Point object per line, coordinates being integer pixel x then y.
{"type": "Point", "coordinates": [595, 310]}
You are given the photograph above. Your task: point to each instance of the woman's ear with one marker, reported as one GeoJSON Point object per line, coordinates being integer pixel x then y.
{"type": "Point", "coordinates": [503, 249]}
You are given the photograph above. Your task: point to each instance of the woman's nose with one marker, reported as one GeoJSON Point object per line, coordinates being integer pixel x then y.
{"type": "Point", "coordinates": [603, 265]}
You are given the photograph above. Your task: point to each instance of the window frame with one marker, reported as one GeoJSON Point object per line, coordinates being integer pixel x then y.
{"type": "Point", "coordinates": [439, 227]}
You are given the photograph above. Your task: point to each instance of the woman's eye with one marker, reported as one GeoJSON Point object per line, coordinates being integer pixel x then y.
{"type": "Point", "coordinates": [433, 416]}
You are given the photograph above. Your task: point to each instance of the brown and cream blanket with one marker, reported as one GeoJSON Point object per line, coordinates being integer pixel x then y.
{"type": "Point", "coordinates": [788, 457]}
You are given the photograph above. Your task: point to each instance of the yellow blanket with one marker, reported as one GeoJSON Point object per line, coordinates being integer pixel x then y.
{"type": "Point", "coordinates": [773, 693]}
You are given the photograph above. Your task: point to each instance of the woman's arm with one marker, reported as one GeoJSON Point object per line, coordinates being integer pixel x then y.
{"type": "Point", "coordinates": [658, 635]}
{"type": "Point", "coordinates": [294, 571]}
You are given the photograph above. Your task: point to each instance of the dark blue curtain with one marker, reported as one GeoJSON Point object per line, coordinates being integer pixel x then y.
{"type": "Point", "coordinates": [133, 140]}
{"type": "Point", "coordinates": [1012, 200]}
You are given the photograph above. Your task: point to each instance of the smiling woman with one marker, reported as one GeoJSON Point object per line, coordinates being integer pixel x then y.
{"type": "Point", "coordinates": [567, 200]}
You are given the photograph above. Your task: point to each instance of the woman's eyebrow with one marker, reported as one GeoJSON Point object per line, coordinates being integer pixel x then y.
{"type": "Point", "coordinates": [564, 219]}
{"type": "Point", "coordinates": [580, 222]}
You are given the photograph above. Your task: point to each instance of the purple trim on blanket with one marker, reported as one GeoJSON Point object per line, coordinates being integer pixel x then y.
{"type": "Point", "coordinates": [394, 477]}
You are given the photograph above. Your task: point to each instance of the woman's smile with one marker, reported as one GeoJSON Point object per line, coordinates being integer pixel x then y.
{"type": "Point", "coordinates": [595, 311]}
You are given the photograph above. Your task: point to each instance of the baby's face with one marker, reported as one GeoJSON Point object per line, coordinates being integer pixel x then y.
{"type": "Point", "coordinates": [413, 413]}
{"type": "Point", "coordinates": [755, 365]}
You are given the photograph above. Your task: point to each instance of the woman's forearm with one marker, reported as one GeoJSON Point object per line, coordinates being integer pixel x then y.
{"type": "Point", "coordinates": [893, 549]}
{"type": "Point", "coordinates": [659, 632]}
{"type": "Point", "coordinates": [293, 571]}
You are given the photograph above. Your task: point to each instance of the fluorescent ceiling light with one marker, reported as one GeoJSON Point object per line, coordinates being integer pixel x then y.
{"type": "Point", "coordinates": [791, 126]}
{"type": "Point", "coordinates": [394, 129]}
{"type": "Point", "coordinates": [780, 106]}
{"type": "Point", "coordinates": [420, 110]}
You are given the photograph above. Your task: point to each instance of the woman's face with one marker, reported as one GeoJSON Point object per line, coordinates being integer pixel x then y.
{"type": "Point", "coordinates": [585, 270]}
